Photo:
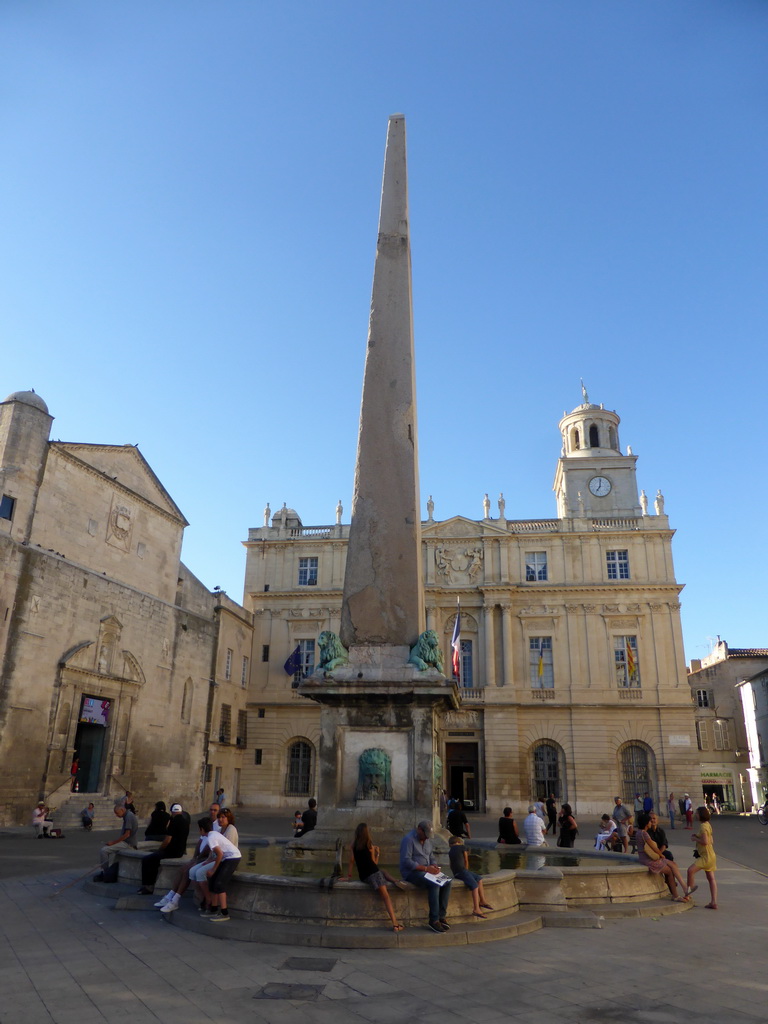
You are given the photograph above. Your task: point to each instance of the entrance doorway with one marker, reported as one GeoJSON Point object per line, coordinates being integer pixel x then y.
{"type": "Point", "coordinates": [89, 745]}
{"type": "Point", "coordinates": [90, 741]}
{"type": "Point", "coordinates": [461, 770]}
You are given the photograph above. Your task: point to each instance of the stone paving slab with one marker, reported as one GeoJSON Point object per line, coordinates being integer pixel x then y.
{"type": "Point", "coordinates": [72, 959]}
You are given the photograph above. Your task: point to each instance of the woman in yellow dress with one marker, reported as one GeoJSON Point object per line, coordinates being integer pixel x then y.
{"type": "Point", "coordinates": [707, 861]}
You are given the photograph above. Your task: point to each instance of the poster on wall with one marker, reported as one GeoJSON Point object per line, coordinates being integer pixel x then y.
{"type": "Point", "coordinates": [95, 711]}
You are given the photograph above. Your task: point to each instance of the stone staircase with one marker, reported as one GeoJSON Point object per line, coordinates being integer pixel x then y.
{"type": "Point", "coordinates": [68, 808]}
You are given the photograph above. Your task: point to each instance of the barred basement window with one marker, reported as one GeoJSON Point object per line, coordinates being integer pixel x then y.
{"type": "Point", "coordinates": [257, 756]}
{"type": "Point", "coordinates": [265, 652]}
{"type": "Point", "coordinates": [228, 666]}
{"type": "Point", "coordinates": [208, 772]}
{"type": "Point", "coordinates": [262, 712]}
{"type": "Point", "coordinates": [244, 673]}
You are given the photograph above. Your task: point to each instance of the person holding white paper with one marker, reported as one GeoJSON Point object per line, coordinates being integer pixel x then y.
{"type": "Point", "coordinates": [417, 862]}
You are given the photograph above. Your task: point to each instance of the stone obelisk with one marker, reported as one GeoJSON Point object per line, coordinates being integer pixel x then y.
{"type": "Point", "coordinates": [378, 760]}
{"type": "Point", "coordinates": [383, 602]}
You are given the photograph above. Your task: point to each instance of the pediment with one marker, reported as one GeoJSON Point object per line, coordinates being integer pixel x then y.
{"type": "Point", "coordinates": [460, 528]}
{"type": "Point", "coordinates": [126, 465]}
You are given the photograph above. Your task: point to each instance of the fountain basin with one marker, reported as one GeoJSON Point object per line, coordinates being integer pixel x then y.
{"type": "Point", "coordinates": [270, 899]}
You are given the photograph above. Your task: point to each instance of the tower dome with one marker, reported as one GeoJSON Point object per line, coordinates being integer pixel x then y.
{"type": "Point", "coordinates": [589, 430]}
{"type": "Point", "coordinates": [29, 398]}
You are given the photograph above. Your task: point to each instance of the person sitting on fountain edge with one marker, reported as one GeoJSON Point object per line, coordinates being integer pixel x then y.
{"type": "Point", "coordinates": [417, 859]}
{"type": "Point", "coordinates": [308, 819]}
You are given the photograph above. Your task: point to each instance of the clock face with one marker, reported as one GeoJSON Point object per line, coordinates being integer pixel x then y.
{"type": "Point", "coordinates": [600, 486]}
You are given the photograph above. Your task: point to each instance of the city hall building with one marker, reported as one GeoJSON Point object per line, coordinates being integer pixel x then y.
{"type": "Point", "coordinates": [572, 672]}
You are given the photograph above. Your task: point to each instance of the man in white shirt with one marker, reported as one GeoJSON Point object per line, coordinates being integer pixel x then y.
{"type": "Point", "coordinates": [534, 828]}
{"type": "Point", "coordinates": [211, 877]}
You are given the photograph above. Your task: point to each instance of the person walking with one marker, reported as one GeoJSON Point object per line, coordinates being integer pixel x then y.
{"type": "Point", "coordinates": [688, 805]}
{"type": "Point", "coordinates": [671, 809]}
{"type": "Point", "coordinates": [706, 860]}
{"type": "Point", "coordinates": [551, 805]}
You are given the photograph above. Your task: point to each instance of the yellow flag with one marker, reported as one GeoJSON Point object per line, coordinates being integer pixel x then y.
{"type": "Point", "coordinates": [631, 666]}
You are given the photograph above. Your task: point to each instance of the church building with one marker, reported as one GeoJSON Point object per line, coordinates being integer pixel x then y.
{"type": "Point", "coordinates": [572, 673]}
{"type": "Point", "coordinates": [119, 670]}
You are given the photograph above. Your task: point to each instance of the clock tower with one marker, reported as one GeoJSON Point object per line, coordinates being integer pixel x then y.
{"type": "Point", "coordinates": [593, 478]}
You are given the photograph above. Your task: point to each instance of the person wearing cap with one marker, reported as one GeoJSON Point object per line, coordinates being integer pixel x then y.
{"type": "Point", "coordinates": [417, 859]}
{"type": "Point", "coordinates": [41, 822]}
{"type": "Point", "coordinates": [174, 844]}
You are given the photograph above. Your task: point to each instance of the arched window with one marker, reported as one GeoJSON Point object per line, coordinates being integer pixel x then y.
{"type": "Point", "coordinates": [637, 774]}
{"type": "Point", "coordinates": [575, 441]}
{"type": "Point", "coordinates": [594, 440]}
{"type": "Point", "coordinates": [186, 701]}
{"type": "Point", "coordinates": [612, 438]}
{"type": "Point", "coordinates": [547, 771]}
{"type": "Point", "coordinates": [298, 779]}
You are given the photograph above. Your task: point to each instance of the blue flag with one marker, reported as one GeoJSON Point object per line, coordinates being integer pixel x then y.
{"type": "Point", "coordinates": [293, 664]}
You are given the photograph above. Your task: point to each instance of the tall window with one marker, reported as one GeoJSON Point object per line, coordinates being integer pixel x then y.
{"type": "Point", "coordinates": [701, 736]}
{"type": "Point", "coordinates": [720, 734]}
{"type": "Point", "coordinates": [228, 665]}
{"type": "Point", "coordinates": [546, 772]}
{"type": "Point", "coordinates": [307, 572]}
{"type": "Point", "coordinates": [225, 724]}
{"type": "Point", "coordinates": [594, 440]}
{"type": "Point", "coordinates": [635, 772]}
{"type": "Point", "coordinates": [242, 729]}
{"type": "Point", "coordinates": [625, 660]}
{"type": "Point", "coordinates": [703, 698]}
{"type": "Point", "coordinates": [541, 665]}
{"type": "Point", "coordinates": [299, 775]}
{"type": "Point", "coordinates": [617, 563]}
{"type": "Point", "coordinates": [535, 566]}
{"type": "Point", "coordinates": [307, 655]}
{"type": "Point", "coordinates": [244, 673]}
{"type": "Point", "coordinates": [467, 664]}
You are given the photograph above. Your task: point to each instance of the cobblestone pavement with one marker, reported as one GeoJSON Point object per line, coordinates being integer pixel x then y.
{"type": "Point", "coordinates": [69, 957]}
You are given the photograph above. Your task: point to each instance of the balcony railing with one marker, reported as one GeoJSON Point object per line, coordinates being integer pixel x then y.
{"type": "Point", "coordinates": [543, 694]}
{"type": "Point", "coordinates": [615, 524]}
{"type": "Point", "coordinates": [630, 693]}
{"type": "Point", "coordinates": [471, 693]}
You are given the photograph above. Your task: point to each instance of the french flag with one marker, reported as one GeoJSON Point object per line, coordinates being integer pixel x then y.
{"type": "Point", "coordinates": [456, 645]}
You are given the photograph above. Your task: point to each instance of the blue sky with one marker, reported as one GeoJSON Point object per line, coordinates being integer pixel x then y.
{"type": "Point", "coordinates": [188, 229]}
